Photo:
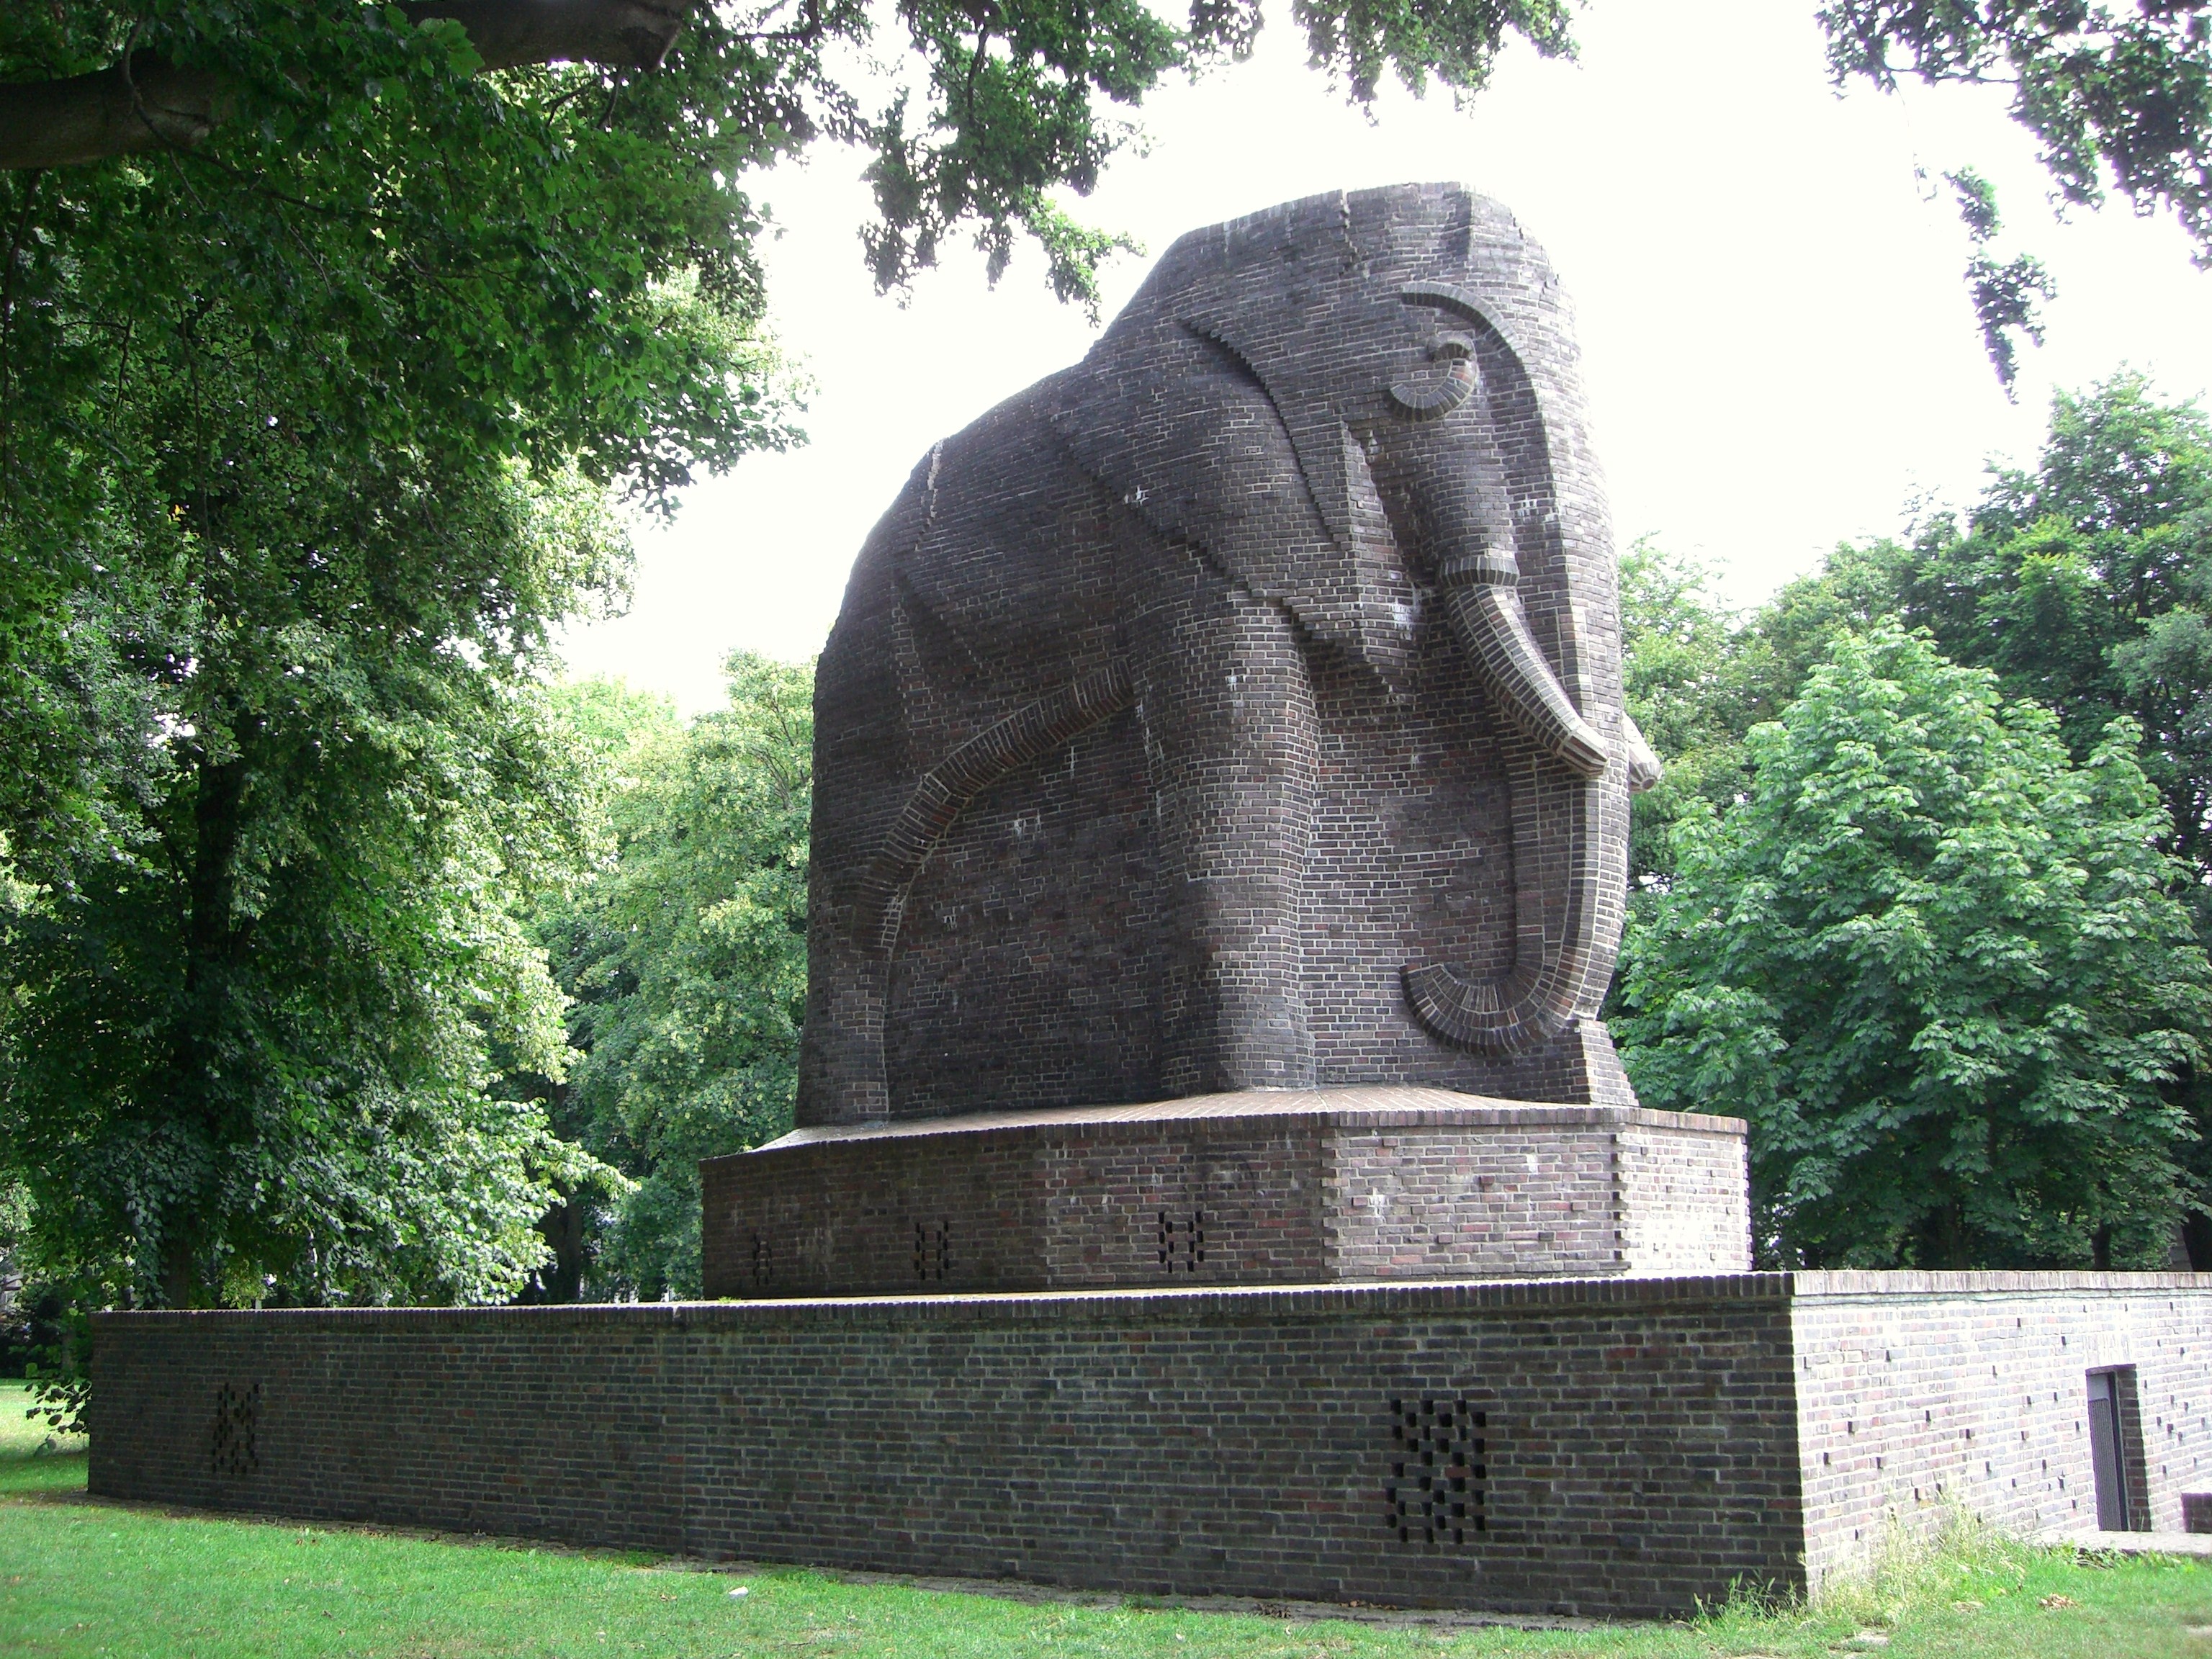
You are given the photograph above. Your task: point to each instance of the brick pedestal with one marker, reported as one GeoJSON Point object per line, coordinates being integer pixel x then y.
{"type": "Point", "coordinates": [1294, 1186]}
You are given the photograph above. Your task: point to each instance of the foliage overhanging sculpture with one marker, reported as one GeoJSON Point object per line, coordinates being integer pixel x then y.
{"type": "Point", "coordinates": [1239, 709]}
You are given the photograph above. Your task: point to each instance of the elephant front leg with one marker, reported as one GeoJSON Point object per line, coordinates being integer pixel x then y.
{"type": "Point", "coordinates": [1229, 718]}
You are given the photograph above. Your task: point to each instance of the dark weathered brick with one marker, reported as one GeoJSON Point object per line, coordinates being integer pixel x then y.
{"type": "Point", "coordinates": [1648, 1441]}
{"type": "Point", "coordinates": [1175, 735]}
{"type": "Point", "coordinates": [1279, 1188]}
{"type": "Point", "coordinates": [1196, 1442]}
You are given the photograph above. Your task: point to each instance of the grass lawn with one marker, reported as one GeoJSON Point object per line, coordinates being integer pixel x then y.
{"type": "Point", "coordinates": [78, 1576]}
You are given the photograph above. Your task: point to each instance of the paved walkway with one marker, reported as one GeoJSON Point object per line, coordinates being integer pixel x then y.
{"type": "Point", "coordinates": [2135, 1543]}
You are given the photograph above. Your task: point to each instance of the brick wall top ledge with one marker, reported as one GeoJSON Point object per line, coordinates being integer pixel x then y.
{"type": "Point", "coordinates": [1351, 1107]}
{"type": "Point", "coordinates": [1319, 1301]}
{"type": "Point", "coordinates": [1115, 1307]}
{"type": "Point", "coordinates": [1843, 1286]}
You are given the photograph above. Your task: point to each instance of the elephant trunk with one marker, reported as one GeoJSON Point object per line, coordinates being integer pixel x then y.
{"type": "Point", "coordinates": [1558, 782]}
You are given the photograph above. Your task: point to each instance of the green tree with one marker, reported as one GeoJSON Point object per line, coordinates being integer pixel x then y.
{"type": "Point", "coordinates": [2082, 582]}
{"type": "Point", "coordinates": [616, 738]}
{"type": "Point", "coordinates": [250, 1024]}
{"type": "Point", "coordinates": [2087, 585]}
{"type": "Point", "coordinates": [1700, 674]}
{"type": "Point", "coordinates": [2005, 293]}
{"type": "Point", "coordinates": [1936, 963]}
{"type": "Point", "coordinates": [307, 436]}
{"type": "Point", "coordinates": [687, 962]}
{"type": "Point", "coordinates": [989, 109]}
{"type": "Point", "coordinates": [1696, 680]}
{"type": "Point", "coordinates": [385, 266]}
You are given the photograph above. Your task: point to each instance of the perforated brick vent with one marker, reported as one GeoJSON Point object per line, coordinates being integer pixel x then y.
{"type": "Point", "coordinates": [763, 1262]}
{"type": "Point", "coordinates": [1437, 1490]}
{"type": "Point", "coordinates": [237, 1415]}
{"type": "Point", "coordinates": [1182, 1241]}
{"type": "Point", "coordinates": [933, 1250]}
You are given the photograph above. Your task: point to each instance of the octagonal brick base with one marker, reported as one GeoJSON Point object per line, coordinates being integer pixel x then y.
{"type": "Point", "coordinates": [1291, 1187]}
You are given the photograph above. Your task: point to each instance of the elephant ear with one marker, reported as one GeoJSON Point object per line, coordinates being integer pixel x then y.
{"type": "Point", "coordinates": [1185, 432]}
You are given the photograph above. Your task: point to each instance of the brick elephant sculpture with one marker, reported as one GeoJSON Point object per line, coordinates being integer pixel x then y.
{"type": "Point", "coordinates": [1240, 707]}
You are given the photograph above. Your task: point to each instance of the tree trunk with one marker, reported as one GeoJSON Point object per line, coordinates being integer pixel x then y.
{"type": "Point", "coordinates": [1943, 1241]}
{"type": "Point", "coordinates": [211, 940]}
{"type": "Point", "coordinates": [2196, 1235]}
{"type": "Point", "coordinates": [182, 1285]}
{"type": "Point", "coordinates": [562, 1279]}
{"type": "Point", "coordinates": [212, 945]}
{"type": "Point", "coordinates": [144, 102]}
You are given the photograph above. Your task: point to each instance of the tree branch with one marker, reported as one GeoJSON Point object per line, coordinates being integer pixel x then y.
{"type": "Point", "coordinates": [508, 33]}
{"type": "Point", "coordinates": [142, 101]}
{"type": "Point", "coordinates": [87, 118]}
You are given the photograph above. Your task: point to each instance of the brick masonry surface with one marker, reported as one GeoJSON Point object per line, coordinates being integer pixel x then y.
{"type": "Point", "coordinates": [1284, 1187]}
{"type": "Point", "coordinates": [1620, 1446]}
{"type": "Point", "coordinates": [1921, 1398]}
{"type": "Point", "coordinates": [1241, 706]}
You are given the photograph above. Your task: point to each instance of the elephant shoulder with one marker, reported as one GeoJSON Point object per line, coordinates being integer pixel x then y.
{"type": "Point", "coordinates": [1006, 566]}
{"type": "Point", "coordinates": [1189, 440]}
{"type": "Point", "coordinates": [1187, 436]}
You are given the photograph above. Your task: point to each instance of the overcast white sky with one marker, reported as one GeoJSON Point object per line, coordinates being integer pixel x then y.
{"type": "Point", "coordinates": [1779, 349]}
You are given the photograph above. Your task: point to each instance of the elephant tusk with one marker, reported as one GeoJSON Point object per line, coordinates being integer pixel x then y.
{"type": "Point", "coordinates": [1539, 997]}
{"type": "Point", "coordinates": [1643, 768]}
{"type": "Point", "coordinates": [1478, 593]}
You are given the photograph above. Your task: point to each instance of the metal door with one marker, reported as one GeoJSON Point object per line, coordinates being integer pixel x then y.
{"type": "Point", "coordinates": [2107, 1459]}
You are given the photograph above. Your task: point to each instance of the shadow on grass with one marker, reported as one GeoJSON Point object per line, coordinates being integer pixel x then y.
{"type": "Point", "coordinates": [80, 1575]}
{"type": "Point", "coordinates": [33, 1459]}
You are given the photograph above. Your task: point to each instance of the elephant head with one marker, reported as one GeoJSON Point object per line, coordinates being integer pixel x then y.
{"type": "Point", "coordinates": [1360, 405]}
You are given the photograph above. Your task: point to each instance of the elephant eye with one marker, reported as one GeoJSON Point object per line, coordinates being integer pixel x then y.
{"type": "Point", "coordinates": [1433, 399]}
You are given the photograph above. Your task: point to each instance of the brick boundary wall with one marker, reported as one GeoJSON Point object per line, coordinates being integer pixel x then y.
{"type": "Point", "coordinates": [1629, 1446]}
{"type": "Point", "coordinates": [1924, 1396]}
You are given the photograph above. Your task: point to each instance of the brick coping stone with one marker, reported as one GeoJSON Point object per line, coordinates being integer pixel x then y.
{"type": "Point", "coordinates": [1272, 1301]}
{"type": "Point", "coordinates": [1364, 1106]}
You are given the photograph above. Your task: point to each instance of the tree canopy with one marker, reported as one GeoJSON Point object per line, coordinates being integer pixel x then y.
{"type": "Point", "coordinates": [1938, 966]}
{"type": "Point", "coordinates": [685, 960]}
{"type": "Point", "coordinates": [1697, 680]}
{"type": "Point", "coordinates": [2078, 585]}
{"type": "Point", "coordinates": [2115, 96]}
{"type": "Point", "coordinates": [2086, 583]}
{"type": "Point", "coordinates": [973, 115]}
{"type": "Point", "coordinates": [307, 438]}
{"type": "Point", "coordinates": [254, 1006]}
